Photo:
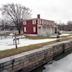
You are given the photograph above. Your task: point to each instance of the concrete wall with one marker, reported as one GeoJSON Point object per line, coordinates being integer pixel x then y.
{"type": "Point", "coordinates": [30, 60]}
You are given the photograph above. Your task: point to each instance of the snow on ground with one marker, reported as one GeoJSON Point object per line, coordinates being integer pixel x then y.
{"type": "Point", "coordinates": [63, 65]}
{"type": "Point", "coordinates": [7, 43]}
{"type": "Point", "coordinates": [64, 34]}
{"type": "Point", "coordinates": [60, 35]}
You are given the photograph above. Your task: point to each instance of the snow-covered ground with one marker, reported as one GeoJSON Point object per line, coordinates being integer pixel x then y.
{"type": "Point", "coordinates": [64, 34]}
{"type": "Point", "coordinates": [7, 43]}
{"type": "Point", "coordinates": [63, 65]}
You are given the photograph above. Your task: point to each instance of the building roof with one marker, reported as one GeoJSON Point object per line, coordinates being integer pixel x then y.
{"type": "Point", "coordinates": [38, 17]}
{"type": "Point", "coordinates": [50, 23]}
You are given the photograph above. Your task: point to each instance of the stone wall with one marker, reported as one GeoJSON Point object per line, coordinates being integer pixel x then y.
{"type": "Point", "coordinates": [30, 60]}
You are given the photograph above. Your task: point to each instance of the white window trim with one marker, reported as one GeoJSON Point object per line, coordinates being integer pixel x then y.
{"type": "Point", "coordinates": [34, 29]}
{"type": "Point", "coordinates": [24, 23]}
{"type": "Point", "coordinates": [33, 21]}
{"type": "Point", "coordinates": [25, 29]}
{"type": "Point", "coordinates": [39, 21]}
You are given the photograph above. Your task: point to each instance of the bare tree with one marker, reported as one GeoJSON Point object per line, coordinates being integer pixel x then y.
{"type": "Point", "coordinates": [16, 14]}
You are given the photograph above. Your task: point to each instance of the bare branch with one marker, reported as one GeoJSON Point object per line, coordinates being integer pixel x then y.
{"type": "Point", "coordinates": [16, 13]}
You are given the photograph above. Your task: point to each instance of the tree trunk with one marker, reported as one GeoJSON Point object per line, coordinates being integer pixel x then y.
{"type": "Point", "coordinates": [19, 27]}
{"type": "Point", "coordinates": [19, 31]}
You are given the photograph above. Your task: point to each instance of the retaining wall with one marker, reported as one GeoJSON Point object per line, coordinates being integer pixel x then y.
{"type": "Point", "coordinates": [30, 60]}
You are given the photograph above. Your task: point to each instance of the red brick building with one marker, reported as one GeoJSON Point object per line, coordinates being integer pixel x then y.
{"type": "Point", "coordinates": [39, 26]}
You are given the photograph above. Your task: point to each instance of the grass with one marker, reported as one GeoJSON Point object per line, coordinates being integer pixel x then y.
{"type": "Point", "coordinates": [41, 37]}
{"type": "Point", "coordinates": [13, 51]}
{"type": "Point", "coordinates": [35, 37]}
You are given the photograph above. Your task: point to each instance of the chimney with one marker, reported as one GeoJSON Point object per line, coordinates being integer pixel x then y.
{"type": "Point", "coordinates": [38, 16]}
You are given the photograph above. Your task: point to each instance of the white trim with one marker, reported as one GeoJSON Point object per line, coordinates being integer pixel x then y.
{"type": "Point", "coordinates": [39, 21]}
{"type": "Point", "coordinates": [33, 21]}
{"type": "Point", "coordinates": [25, 29]}
{"type": "Point", "coordinates": [34, 29]}
{"type": "Point", "coordinates": [24, 23]}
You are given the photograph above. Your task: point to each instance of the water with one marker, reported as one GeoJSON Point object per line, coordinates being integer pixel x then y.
{"type": "Point", "coordinates": [62, 65]}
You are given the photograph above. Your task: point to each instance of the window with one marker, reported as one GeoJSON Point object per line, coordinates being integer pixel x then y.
{"type": "Point", "coordinates": [24, 29]}
{"type": "Point", "coordinates": [39, 21]}
{"type": "Point", "coordinates": [33, 21]}
{"type": "Point", "coordinates": [34, 29]}
{"type": "Point", "coordinates": [24, 23]}
{"type": "Point", "coordinates": [42, 21]}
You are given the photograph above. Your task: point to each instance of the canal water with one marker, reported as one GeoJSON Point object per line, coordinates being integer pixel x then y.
{"type": "Point", "coordinates": [62, 65]}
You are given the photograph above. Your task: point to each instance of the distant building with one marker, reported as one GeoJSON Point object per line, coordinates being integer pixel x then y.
{"type": "Point", "coordinates": [39, 26]}
{"type": "Point", "coordinates": [67, 27]}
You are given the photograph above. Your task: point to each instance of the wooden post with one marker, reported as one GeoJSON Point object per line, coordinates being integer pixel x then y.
{"type": "Point", "coordinates": [15, 42]}
{"type": "Point", "coordinates": [58, 36]}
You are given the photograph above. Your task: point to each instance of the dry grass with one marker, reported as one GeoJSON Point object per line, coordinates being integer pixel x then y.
{"type": "Point", "coordinates": [13, 51]}
{"type": "Point", "coordinates": [35, 37]}
{"type": "Point", "coordinates": [41, 37]}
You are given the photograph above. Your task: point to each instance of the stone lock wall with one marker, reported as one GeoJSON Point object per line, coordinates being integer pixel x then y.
{"type": "Point", "coordinates": [30, 60]}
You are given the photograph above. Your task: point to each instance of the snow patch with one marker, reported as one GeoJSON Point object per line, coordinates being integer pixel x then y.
{"type": "Point", "coordinates": [8, 42]}
{"type": "Point", "coordinates": [63, 65]}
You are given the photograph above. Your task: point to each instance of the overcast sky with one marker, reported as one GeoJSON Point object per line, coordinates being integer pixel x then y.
{"type": "Point", "coordinates": [58, 10]}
